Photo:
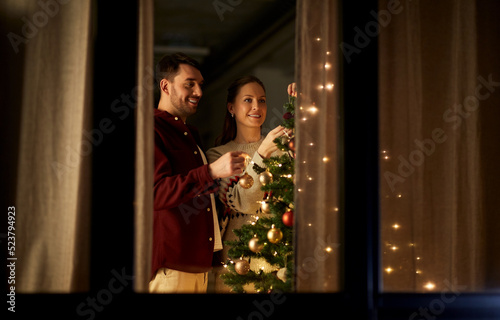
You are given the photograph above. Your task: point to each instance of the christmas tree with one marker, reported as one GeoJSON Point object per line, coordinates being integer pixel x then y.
{"type": "Point", "coordinates": [268, 238]}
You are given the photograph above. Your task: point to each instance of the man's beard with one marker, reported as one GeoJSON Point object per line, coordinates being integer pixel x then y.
{"type": "Point", "coordinates": [181, 105]}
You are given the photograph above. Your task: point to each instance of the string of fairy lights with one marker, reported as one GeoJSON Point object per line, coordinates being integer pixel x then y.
{"type": "Point", "coordinates": [391, 249]}
{"type": "Point", "coordinates": [392, 265]}
{"type": "Point", "coordinates": [393, 259]}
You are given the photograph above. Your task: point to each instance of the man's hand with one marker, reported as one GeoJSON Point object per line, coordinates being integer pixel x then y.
{"type": "Point", "coordinates": [228, 165]}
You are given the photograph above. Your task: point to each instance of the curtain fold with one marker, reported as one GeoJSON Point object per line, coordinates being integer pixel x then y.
{"type": "Point", "coordinates": [317, 134]}
{"type": "Point", "coordinates": [432, 214]}
{"type": "Point", "coordinates": [53, 179]}
{"type": "Point", "coordinates": [143, 201]}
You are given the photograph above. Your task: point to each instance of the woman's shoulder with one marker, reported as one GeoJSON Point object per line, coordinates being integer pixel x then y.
{"type": "Point", "coordinates": [216, 152]}
{"type": "Point", "coordinates": [218, 149]}
{"type": "Point", "coordinates": [230, 146]}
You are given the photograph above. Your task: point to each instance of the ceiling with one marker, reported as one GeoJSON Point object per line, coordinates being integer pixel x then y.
{"type": "Point", "coordinates": [217, 32]}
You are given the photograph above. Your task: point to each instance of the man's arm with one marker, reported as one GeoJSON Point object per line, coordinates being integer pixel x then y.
{"type": "Point", "coordinates": [171, 190]}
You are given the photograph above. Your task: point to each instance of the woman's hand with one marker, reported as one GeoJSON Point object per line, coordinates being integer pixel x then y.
{"type": "Point", "coordinates": [292, 89]}
{"type": "Point", "coordinates": [268, 146]}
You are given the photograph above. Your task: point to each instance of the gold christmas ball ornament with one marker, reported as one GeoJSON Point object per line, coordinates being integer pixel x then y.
{"type": "Point", "coordinates": [242, 267]}
{"type": "Point", "coordinates": [246, 181]}
{"type": "Point", "coordinates": [264, 206]}
{"type": "Point", "coordinates": [274, 235]}
{"type": "Point", "coordinates": [265, 177]}
{"type": "Point", "coordinates": [254, 245]}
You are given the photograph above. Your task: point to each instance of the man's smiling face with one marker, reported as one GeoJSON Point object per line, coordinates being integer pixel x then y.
{"type": "Point", "coordinates": [185, 91]}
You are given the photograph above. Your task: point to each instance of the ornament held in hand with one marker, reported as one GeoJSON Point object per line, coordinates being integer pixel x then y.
{"type": "Point", "coordinates": [246, 181]}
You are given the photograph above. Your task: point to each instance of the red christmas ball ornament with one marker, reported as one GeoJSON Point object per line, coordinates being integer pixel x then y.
{"type": "Point", "coordinates": [288, 115]}
{"type": "Point", "coordinates": [288, 218]}
{"type": "Point", "coordinates": [291, 144]}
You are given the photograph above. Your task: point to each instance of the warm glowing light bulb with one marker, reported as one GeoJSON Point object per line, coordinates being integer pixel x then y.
{"type": "Point", "coordinates": [429, 285]}
{"type": "Point", "coordinates": [312, 109]}
{"type": "Point", "coordinates": [330, 86]}
{"type": "Point", "coordinates": [389, 269]}
{"type": "Point", "coordinates": [395, 226]}
{"type": "Point", "coordinates": [328, 249]}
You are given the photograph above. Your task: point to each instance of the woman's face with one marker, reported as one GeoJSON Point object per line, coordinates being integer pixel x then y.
{"type": "Point", "coordinates": [249, 107]}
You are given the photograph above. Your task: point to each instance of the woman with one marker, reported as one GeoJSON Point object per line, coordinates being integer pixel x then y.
{"type": "Point", "coordinates": [246, 112]}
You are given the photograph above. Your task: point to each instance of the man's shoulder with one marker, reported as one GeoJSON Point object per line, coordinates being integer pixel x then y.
{"type": "Point", "coordinates": [160, 115]}
{"type": "Point", "coordinates": [163, 121]}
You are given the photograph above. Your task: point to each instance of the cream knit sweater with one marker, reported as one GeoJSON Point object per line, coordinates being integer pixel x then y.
{"type": "Point", "coordinates": [242, 205]}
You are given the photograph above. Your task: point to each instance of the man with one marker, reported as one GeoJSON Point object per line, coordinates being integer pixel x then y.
{"type": "Point", "coordinates": [186, 231]}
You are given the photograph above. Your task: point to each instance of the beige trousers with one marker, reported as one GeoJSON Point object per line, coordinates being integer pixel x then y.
{"type": "Point", "coordinates": [174, 281]}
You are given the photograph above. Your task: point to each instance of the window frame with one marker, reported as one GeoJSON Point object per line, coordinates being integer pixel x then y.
{"type": "Point", "coordinates": [362, 218]}
{"type": "Point", "coordinates": [361, 296]}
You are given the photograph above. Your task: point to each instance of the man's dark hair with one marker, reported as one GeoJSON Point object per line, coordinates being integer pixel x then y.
{"type": "Point", "coordinates": [168, 66]}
